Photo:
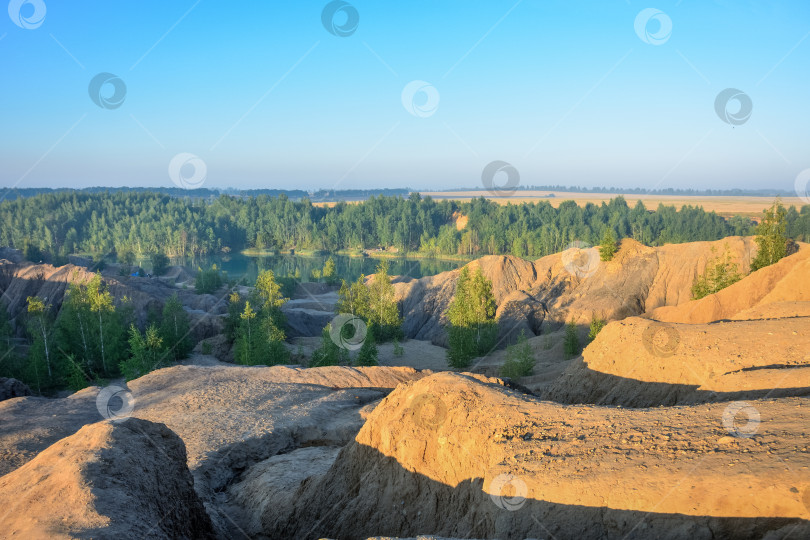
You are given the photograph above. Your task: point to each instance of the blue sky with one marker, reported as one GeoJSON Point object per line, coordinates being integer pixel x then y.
{"type": "Point", "coordinates": [265, 96]}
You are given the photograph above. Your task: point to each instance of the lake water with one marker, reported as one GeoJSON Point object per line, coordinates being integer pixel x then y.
{"type": "Point", "coordinates": [349, 268]}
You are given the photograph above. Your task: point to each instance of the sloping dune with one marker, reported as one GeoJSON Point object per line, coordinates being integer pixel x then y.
{"type": "Point", "coordinates": [454, 455]}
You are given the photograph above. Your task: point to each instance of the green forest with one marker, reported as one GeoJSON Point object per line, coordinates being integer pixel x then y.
{"type": "Point", "coordinates": [50, 226]}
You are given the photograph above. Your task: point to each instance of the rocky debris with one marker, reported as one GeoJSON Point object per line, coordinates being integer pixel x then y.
{"type": "Point", "coordinates": [642, 363]}
{"type": "Point", "coordinates": [558, 288]}
{"type": "Point", "coordinates": [457, 456]}
{"type": "Point", "coordinates": [11, 388]}
{"type": "Point", "coordinates": [126, 480]}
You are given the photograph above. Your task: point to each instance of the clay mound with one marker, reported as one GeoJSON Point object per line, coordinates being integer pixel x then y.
{"type": "Point", "coordinates": [560, 287]}
{"type": "Point", "coordinates": [642, 363]}
{"type": "Point", "coordinates": [455, 456]}
{"type": "Point", "coordinates": [784, 281]}
{"type": "Point", "coordinates": [126, 480]}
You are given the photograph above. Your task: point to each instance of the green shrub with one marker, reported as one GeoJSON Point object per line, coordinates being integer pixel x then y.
{"type": "Point", "coordinates": [160, 263]}
{"type": "Point", "coordinates": [571, 344]}
{"type": "Point", "coordinates": [208, 281]}
{"type": "Point", "coordinates": [206, 348]}
{"type": "Point", "coordinates": [367, 355]}
{"type": "Point", "coordinates": [719, 274]}
{"type": "Point", "coordinates": [519, 359]}
{"type": "Point", "coordinates": [597, 323]}
{"type": "Point", "coordinates": [398, 349]}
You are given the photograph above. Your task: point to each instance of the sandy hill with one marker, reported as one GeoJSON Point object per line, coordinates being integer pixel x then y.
{"type": "Point", "coordinates": [458, 456]}
{"type": "Point", "coordinates": [228, 418]}
{"type": "Point", "coordinates": [782, 289]}
{"type": "Point", "coordinates": [108, 480]}
{"type": "Point", "coordinates": [571, 285]}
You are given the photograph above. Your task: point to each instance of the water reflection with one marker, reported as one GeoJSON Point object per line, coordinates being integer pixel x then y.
{"type": "Point", "coordinates": [301, 267]}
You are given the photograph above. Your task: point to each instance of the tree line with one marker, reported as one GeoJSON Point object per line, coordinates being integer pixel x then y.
{"type": "Point", "coordinates": [50, 226]}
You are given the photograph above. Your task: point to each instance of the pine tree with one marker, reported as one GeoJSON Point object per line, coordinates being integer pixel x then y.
{"type": "Point", "coordinates": [608, 247]}
{"type": "Point", "coordinates": [160, 263]}
{"type": "Point", "coordinates": [148, 353]}
{"type": "Point", "coordinates": [251, 345]}
{"type": "Point", "coordinates": [368, 354]}
{"type": "Point", "coordinates": [571, 342]}
{"type": "Point", "coordinates": [174, 329]}
{"type": "Point", "coordinates": [771, 237]}
{"type": "Point", "coordinates": [328, 354]}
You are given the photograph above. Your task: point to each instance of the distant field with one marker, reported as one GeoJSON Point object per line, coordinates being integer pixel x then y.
{"type": "Point", "coordinates": [724, 205]}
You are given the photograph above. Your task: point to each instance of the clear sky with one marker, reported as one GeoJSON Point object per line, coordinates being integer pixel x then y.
{"type": "Point", "coordinates": [568, 92]}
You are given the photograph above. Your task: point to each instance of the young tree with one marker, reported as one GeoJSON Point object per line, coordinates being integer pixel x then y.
{"type": "Point", "coordinates": [174, 329]}
{"type": "Point", "coordinates": [236, 304]}
{"type": "Point", "coordinates": [39, 369]}
{"type": "Point", "coordinates": [383, 315]}
{"type": "Point", "coordinates": [251, 343]}
{"type": "Point", "coordinates": [148, 353]}
{"type": "Point", "coordinates": [160, 263]}
{"type": "Point", "coordinates": [328, 354]}
{"type": "Point", "coordinates": [208, 281]}
{"type": "Point", "coordinates": [597, 323]}
{"type": "Point", "coordinates": [109, 327]}
{"type": "Point", "coordinates": [269, 292]}
{"type": "Point", "coordinates": [571, 342]}
{"type": "Point", "coordinates": [719, 274]}
{"type": "Point", "coordinates": [472, 331]}
{"type": "Point", "coordinates": [608, 248]}
{"type": "Point", "coordinates": [329, 272]}
{"type": "Point", "coordinates": [354, 298]}
{"type": "Point", "coordinates": [367, 355]}
{"type": "Point", "coordinates": [771, 237]}
{"type": "Point", "coordinates": [40, 325]}
{"type": "Point", "coordinates": [519, 359]}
